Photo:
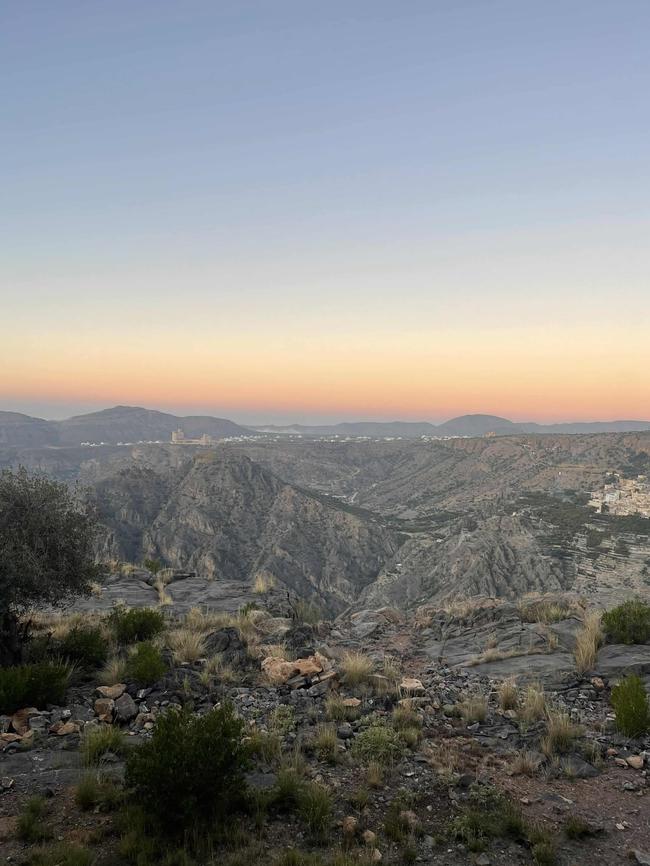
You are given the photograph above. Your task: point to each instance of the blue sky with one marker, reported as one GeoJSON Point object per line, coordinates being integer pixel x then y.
{"type": "Point", "coordinates": [288, 176]}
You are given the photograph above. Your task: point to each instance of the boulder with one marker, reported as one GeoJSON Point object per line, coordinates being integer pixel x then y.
{"type": "Point", "coordinates": [280, 671]}
{"type": "Point", "coordinates": [411, 686]}
{"type": "Point", "coordinates": [125, 709]}
{"type": "Point", "coordinates": [104, 708]}
{"type": "Point", "coordinates": [112, 692]}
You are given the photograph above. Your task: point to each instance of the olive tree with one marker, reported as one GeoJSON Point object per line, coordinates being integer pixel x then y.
{"type": "Point", "coordinates": [46, 552]}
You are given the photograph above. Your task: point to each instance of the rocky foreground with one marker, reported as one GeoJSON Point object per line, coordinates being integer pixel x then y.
{"type": "Point", "coordinates": [409, 725]}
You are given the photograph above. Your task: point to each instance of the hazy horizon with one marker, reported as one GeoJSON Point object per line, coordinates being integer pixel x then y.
{"type": "Point", "coordinates": [61, 412]}
{"type": "Point", "coordinates": [298, 211]}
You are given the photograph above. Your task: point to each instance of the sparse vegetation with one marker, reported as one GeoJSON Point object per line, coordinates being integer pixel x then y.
{"type": "Point", "coordinates": [114, 671]}
{"type": "Point", "coordinates": [61, 854]}
{"type": "Point", "coordinates": [629, 623]}
{"type": "Point", "coordinates": [473, 708]}
{"type": "Point", "coordinates": [630, 702]}
{"type": "Point", "coordinates": [31, 826]}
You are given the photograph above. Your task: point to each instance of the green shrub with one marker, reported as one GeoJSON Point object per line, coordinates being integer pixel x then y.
{"type": "Point", "coordinates": [86, 646]}
{"type": "Point", "coordinates": [95, 793]}
{"type": "Point", "coordinates": [141, 623]}
{"type": "Point", "coordinates": [146, 664]}
{"type": "Point", "coordinates": [378, 743]}
{"type": "Point", "coordinates": [628, 623]}
{"type": "Point", "coordinates": [190, 773]}
{"type": "Point", "coordinates": [33, 685]}
{"type": "Point", "coordinates": [30, 827]}
{"type": "Point", "coordinates": [630, 702]}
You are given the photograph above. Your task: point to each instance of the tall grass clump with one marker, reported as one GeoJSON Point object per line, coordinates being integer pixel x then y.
{"type": "Point", "coordinates": [630, 702]}
{"type": "Point", "coordinates": [356, 668]}
{"type": "Point", "coordinates": [588, 641]}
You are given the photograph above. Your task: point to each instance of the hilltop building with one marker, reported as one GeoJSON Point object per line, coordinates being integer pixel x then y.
{"type": "Point", "coordinates": [179, 438]}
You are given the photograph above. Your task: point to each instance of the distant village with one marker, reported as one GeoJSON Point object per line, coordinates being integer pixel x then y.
{"type": "Point", "coordinates": [623, 496]}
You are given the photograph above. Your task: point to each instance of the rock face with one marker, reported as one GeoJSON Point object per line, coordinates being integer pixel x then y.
{"type": "Point", "coordinates": [227, 518]}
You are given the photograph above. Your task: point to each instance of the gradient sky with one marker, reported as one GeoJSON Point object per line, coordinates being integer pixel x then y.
{"type": "Point", "coordinates": [305, 210]}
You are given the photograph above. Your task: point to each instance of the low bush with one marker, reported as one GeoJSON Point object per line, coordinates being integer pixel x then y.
{"type": "Point", "coordinates": [191, 772]}
{"type": "Point", "coordinates": [85, 646]}
{"type": "Point", "coordinates": [34, 685]}
{"type": "Point", "coordinates": [378, 743]}
{"type": "Point", "coordinates": [145, 665]}
{"type": "Point", "coordinates": [96, 794]}
{"type": "Point", "coordinates": [137, 624]}
{"type": "Point", "coordinates": [628, 623]}
{"type": "Point", "coordinates": [630, 703]}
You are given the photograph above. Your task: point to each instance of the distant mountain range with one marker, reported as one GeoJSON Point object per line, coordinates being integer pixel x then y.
{"type": "Point", "coordinates": [119, 424]}
{"type": "Point", "coordinates": [135, 424]}
{"type": "Point", "coordinates": [464, 425]}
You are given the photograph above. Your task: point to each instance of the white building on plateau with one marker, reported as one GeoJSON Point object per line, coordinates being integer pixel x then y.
{"type": "Point", "coordinates": [179, 438]}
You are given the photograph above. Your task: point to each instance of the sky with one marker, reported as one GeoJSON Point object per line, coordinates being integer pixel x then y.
{"type": "Point", "coordinates": [304, 211]}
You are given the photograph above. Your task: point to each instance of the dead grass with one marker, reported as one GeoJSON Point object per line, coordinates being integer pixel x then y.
{"type": "Point", "coordinates": [561, 733]}
{"type": "Point", "coordinates": [588, 641]}
{"type": "Point", "coordinates": [533, 706]}
{"type": "Point", "coordinates": [508, 694]}
{"type": "Point", "coordinates": [114, 671]}
{"type": "Point", "coordinates": [524, 764]}
{"type": "Point", "coordinates": [326, 743]}
{"type": "Point", "coordinates": [473, 708]}
{"type": "Point", "coordinates": [263, 583]}
{"type": "Point", "coordinates": [375, 774]}
{"type": "Point", "coordinates": [356, 668]}
{"type": "Point", "coordinates": [186, 645]}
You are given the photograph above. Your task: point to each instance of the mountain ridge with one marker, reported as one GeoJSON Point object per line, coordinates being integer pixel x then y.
{"type": "Point", "coordinates": [120, 423]}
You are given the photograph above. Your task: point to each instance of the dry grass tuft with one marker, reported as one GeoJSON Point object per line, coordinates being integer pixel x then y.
{"type": "Point", "coordinates": [114, 671]}
{"type": "Point", "coordinates": [375, 774]}
{"type": "Point", "coordinates": [533, 706]}
{"type": "Point", "coordinates": [588, 640]}
{"type": "Point", "coordinates": [561, 733]}
{"type": "Point", "coordinates": [473, 708]}
{"type": "Point", "coordinates": [524, 764]}
{"type": "Point", "coordinates": [508, 694]}
{"type": "Point", "coordinates": [356, 668]}
{"type": "Point", "coordinates": [186, 645]}
{"type": "Point", "coordinates": [263, 583]}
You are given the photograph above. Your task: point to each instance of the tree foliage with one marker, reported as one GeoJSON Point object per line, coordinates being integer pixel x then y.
{"type": "Point", "coordinates": [46, 550]}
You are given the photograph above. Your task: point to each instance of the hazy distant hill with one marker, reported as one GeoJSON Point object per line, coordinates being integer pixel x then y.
{"type": "Point", "coordinates": [119, 424]}
{"type": "Point", "coordinates": [132, 424]}
{"type": "Point", "coordinates": [464, 425]}
{"type": "Point", "coordinates": [25, 431]}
